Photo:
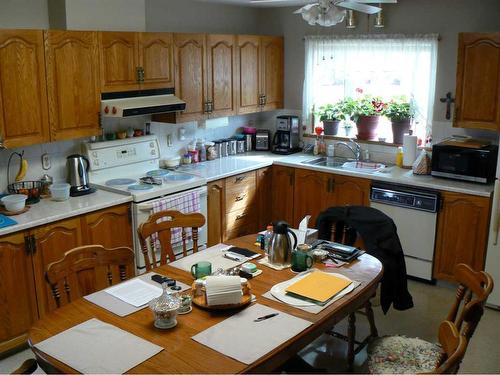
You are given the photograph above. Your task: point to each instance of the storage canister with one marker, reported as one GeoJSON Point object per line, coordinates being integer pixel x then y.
{"type": "Point", "coordinates": [241, 147]}
{"type": "Point", "coordinates": [224, 148]}
{"type": "Point", "coordinates": [211, 151]}
{"type": "Point", "coordinates": [233, 144]}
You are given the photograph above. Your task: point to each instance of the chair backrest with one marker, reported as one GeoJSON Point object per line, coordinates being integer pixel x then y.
{"type": "Point", "coordinates": [87, 269]}
{"type": "Point", "coordinates": [342, 233]}
{"type": "Point", "coordinates": [453, 345]}
{"type": "Point", "coordinates": [472, 293]}
{"type": "Point", "coordinates": [160, 224]}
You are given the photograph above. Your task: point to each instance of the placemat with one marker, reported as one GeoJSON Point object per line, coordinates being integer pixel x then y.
{"type": "Point", "coordinates": [213, 254]}
{"type": "Point", "coordinates": [245, 340]}
{"type": "Point", "coordinates": [265, 262]}
{"type": "Point", "coordinates": [119, 307]}
{"type": "Point", "coordinates": [95, 347]}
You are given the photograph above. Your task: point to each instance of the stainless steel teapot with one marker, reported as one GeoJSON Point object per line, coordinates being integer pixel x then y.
{"type": "Point", "coordinates": [280, 247]}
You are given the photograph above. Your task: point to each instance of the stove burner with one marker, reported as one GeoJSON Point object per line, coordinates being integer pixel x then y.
{"type": "Point", "coordinates": [151, 181]}
{"type": "Point", "coordinates": [120, 181]}
{"type": "Point", "coordinates": [140, 187]}
{"type": "Point", "coordinates": [179, 177]}
{"type": "Point", "coordinates": [157, 173]}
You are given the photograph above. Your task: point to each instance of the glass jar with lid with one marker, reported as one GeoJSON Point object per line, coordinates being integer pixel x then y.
{"type": "Point", "coordinates": [164, 309]}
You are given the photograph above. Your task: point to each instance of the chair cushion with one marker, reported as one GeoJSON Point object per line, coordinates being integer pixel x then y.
{"type": "Point", "coordinates": [402, 355]}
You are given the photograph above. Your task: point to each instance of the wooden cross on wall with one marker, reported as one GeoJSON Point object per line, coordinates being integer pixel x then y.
{"type": "Point", "coordinates": [448, 100]}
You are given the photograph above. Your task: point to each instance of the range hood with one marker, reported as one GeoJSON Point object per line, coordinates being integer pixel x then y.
{"type": "Point", "coordinates": [138, 103]}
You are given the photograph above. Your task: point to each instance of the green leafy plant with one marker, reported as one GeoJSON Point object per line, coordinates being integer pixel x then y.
{"type": "Point", "coordinates": [398, 109]}
{"type": "Point", "coordinates": [368, 106]}
{"type": "Point", "coordinates": [342, 110]}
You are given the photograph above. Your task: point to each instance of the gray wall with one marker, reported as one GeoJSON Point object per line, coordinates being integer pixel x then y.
{"type": "Point", "coordinates": [200, 17]}
{"type": "Point", "coordinates": [24, 14]}
{"type": "Point", "coordinates": [446, 17]}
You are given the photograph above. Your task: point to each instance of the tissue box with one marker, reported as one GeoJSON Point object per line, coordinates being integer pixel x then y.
{"type": "Point", "coordinates": [310, 236]}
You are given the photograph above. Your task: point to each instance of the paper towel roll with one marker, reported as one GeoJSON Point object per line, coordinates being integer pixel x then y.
{"type": "Point", "coordinates": [409, 150]}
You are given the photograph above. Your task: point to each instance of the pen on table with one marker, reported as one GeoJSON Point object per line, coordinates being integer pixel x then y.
{"type": "Point", "coordinates": [232, 257]}
{"type": "Point", "coordinates": [260, 319]}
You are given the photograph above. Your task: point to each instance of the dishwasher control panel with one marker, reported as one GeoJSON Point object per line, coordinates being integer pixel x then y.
{"type": "Point", "coordinates": [412, 199]}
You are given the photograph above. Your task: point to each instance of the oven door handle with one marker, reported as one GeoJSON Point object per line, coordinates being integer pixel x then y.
{"type": "Point", "coordinates": [145, 206]}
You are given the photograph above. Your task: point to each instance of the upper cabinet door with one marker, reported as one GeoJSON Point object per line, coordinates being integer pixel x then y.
{"type": "Point", "coordinates": [119, 61]}
{"type": "Point", "coordinates": [272, 72]}
{"type": "Point", "coordinates": [190, 70]}
{"type": "Point", "coordinates": [72, 83]}
{"type": "Point", "coordinates": [23, 95]}
{"type": "Point", "coordinates": [478, 81]}
{"type": "Point", "coordinates": [248, 64]}
{"type": "Point", "coordinates": [156, 58]}
{"type": "Point", "coordinates": [221, 75]}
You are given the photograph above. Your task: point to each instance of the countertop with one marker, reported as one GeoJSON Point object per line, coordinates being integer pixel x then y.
{"type": "Point", "coordinates": [48, 210]}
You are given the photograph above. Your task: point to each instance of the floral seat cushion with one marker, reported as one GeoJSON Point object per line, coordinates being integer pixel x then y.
{"type": "Point", "coordinates": [402, 355]}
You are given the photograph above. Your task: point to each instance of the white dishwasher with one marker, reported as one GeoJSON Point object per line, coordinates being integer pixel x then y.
{"type": "Point", "coordinates": [415, 214]}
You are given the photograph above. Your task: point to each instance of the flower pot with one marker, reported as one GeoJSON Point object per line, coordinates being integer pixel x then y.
{"type": "Point", "coordinates": [399, 129]}
{"type": "Point", "coordinates": [330, 127]}
{"type": "Point", "coordinates": [367, 127]}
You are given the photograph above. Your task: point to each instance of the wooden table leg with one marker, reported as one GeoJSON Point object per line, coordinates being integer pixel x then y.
{"type": "Point", "coordinates": [371, 319]}
{"type": "Point", "coordinates": [351, 337]}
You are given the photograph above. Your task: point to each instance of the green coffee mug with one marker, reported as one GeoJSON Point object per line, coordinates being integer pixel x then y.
{"type": "Point", "coordinates": [201, 269]}
{"type": "Point", "coordinates": [301, 261]}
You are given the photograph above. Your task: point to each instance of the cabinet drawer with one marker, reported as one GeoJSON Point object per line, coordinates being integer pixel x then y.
{"type": "Point", "coordinates": [238, 199]}
{"type": "Point", "coordinates": [240, 218]}
{"type": "Point", "coordinates": [240, 231]}
{"type": "Point", "coordinates": [241, 182]}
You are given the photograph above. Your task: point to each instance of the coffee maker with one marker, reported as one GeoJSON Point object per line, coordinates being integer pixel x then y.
{"type": "Point", "coordinates": [286, 138]}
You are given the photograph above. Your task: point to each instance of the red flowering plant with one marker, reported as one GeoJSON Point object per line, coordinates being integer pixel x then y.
{"type": "Point", "coordinates": [318, 130]}
{"type": "Point", "coordinates": [368, 106]}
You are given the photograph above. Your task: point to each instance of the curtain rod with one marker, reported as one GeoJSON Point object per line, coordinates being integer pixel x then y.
{"type": "Point", "coordinates": [372, 36]}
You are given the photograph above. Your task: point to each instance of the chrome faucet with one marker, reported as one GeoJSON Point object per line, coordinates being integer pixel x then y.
{"type": "Point", "coordinates": [355, 148]}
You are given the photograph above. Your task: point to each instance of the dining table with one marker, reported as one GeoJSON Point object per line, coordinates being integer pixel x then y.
{"type": "Point", "coordinates": [181, 353]}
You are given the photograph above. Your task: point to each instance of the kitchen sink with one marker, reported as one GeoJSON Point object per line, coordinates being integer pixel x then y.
{"type": "Point", "coordinates": [345, 163]}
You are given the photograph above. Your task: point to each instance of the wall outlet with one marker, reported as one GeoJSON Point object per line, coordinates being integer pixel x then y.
{"type": "Point", "coordinates": [169, 140]}
{"type": "Point", "coordinates": [46, 161]}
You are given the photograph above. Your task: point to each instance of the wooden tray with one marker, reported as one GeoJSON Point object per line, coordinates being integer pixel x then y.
{"type": "Point", "coordinates": [201, 301]}
{"type": "Point", "coordinates": [3, 211]}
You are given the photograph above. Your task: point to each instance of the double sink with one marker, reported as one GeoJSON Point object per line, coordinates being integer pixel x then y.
{"type": "Point", "coordinates": [346, 163]}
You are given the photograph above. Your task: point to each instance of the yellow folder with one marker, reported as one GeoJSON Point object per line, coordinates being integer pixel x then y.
{"type": "Point", "coordinates": [318, 286]}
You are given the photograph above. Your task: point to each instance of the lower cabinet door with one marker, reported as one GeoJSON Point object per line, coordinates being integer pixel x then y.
{"type": "Point", "coordinates": [18, 308]}
{"type": "Point", "coordinates": [110, 227]}
{"type": "Point", "coordinates": [216, 212]}
{"type": "Point", "coordinates": [310, 195]}
{"type": "Point", "coordinates": [282, 193]}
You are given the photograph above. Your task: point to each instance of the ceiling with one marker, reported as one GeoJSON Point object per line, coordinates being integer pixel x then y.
{"type": "Point", "coordinates": [261, 5]}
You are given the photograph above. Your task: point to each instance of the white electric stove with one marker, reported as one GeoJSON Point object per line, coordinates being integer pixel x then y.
{"type": "Point", "coordinates": [131, 166]}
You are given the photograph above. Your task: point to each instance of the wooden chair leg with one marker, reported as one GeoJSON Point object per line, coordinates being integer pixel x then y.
{"type": "Point", "coordinates": [371, 319]}
{"type": "Point", "coordinates": [351, 337]}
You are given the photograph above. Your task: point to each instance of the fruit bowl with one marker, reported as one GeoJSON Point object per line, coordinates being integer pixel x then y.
{"type": "Point", "coordinates": [30, 188]}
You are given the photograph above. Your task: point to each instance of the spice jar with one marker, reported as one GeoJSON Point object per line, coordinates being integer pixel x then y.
{"type": "Point", "coordinates": [211, 151]}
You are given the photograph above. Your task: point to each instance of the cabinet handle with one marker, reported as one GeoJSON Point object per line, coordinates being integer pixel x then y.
{"type": "Point", "coordinates": [239, 179]}
{"type": "Point", "coordinates": [264, 99]}
{"type": "Point", "coordinates": [210, 104]}
{"type": "Point", "coordinates": [332, 185]}
{"type": "Point", "coordinates": [328, 184]}
{"type": "Point", "coordinates": [27, 245]}
{"type": "Point", "coordinates": [206, 107]}
{"type": "Point", "coordinates": [241, 216]}
{"type": "Point", "coordinates": [142, 74]}
{"type": "Point", "coordinates": [33, 244]}
{"type": "Point", "coordinates": [240, 197]}
{"type": "Point", "coordinates": [291, 178]}
{"type": "Point", "coordinates": [138, 73]}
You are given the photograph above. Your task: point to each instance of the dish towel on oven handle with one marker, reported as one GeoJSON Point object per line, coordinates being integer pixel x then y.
{"type": "Point", "coordinates": [185, 203]}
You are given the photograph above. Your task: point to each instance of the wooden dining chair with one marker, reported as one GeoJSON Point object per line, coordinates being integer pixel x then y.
{"type": "Point", "coordinates": [161, 224]}
{"type": "Point", "coordinates": [87, 269]}
{"type": "Point", "coordinates": [399, 352]}
{"type": "Point", "coordinates": [28, 367]}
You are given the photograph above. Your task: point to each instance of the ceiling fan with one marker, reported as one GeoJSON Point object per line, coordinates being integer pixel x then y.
{"type": "Point", "coordinates": [331, 12]}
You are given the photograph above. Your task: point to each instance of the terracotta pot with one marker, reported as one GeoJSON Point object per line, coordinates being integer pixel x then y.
{"type": "Point", "coordinates": [399, 129]}
{"type": "Point", "coordinates": [367, 127]}
{"type": "Point", "coordinates": [330, 127]}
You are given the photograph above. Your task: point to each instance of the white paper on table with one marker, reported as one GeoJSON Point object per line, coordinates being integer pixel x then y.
{"type": "Point", "coordinates": [135, 292]}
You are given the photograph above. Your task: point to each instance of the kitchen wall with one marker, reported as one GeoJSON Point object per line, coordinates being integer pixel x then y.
{"type": "Point", "coordinates": [26, 14]}
{"type": "Point", "coordinates": [445, 17]}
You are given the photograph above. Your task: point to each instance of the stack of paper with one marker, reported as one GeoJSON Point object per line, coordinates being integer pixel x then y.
{"type": "Point", "coordinates": [223, 290]}
{"type": "Point", "coordinates": [318, 287]}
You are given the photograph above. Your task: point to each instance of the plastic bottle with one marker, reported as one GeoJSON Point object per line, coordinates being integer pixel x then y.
{"type": "Point", "coordinates": [202, 151]}
{"type": "Point", "coordinates": [399, 157]}
{"type": "Point", "coordinates": [267, 238]}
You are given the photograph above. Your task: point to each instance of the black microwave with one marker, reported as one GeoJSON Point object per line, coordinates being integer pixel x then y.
{"type": "Point", "coordinates": [465, 163]}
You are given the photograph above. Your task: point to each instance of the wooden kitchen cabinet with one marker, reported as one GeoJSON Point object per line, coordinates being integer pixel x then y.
{"type": "Point", "coordinates": [311, 194]}
{"type": "Point", "coordinates": [216, 210]}
{"type": "Point", "coordinates": [156, 57]}
{"type": "Point", "coordinates": [264, 197]}
{"type": "Point", "coordinates": [282, 193]}
{"type": "Point", "coordinates": [260, 72]}
{"type": "Point", "coordinates": [73, 83]}
{"type": "Point", "coordinates": [18, 309]}
{"type": "Point", "coordinates": [346, 190]}
{"type": "Point", "coordinates": [462, 233]}
{"type": "Point", "coordinates": [23, 95]}
{"type": "Point", "coordinates": [477, 101]}
{"type": "Point", "coordinates": [111, 227]}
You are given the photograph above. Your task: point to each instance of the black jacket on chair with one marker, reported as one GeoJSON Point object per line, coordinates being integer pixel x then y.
{"type": "Point", "coordinates": [380, 236]}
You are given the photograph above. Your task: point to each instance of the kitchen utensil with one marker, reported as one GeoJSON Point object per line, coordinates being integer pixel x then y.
{"type": "Point", "coordinates": [280, 247]}
{"type": "Point", "coordinates": [60, 192]}
{"type": "Point", "coordinates": [78, 178]}
{"type": "Point", "coordinates": [14, 202]}
{"type": "Point", "coordinates": [31, 189]}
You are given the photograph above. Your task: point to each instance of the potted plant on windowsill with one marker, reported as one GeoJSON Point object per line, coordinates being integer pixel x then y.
{"type": "Point", "coordinates": [366, 114]}
{"type": "Point", "coordinates": [400, 112]}
{"type": "Point", "coordinates": [330, 116]}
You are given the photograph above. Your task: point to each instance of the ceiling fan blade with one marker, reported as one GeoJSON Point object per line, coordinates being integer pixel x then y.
{"type": "Point", "coordinates": [304, 8]}
{"type": "Point", "coordinates": [369, 9]}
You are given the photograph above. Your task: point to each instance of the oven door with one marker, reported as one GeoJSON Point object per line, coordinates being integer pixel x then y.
{"type": "Point", "coordinates": [141, 212]}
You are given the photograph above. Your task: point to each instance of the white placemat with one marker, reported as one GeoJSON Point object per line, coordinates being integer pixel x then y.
{"type": "Point", "coordinates": [119, 307]}
{"type": "Point", "coordinates": [95, 347]}
{"type": "Point", "coordinates": [214, 254]}
{"type": "Point", "coordinates": [241, 338]}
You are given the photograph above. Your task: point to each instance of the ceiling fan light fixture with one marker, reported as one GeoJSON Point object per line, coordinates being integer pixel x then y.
{"type": "Point", "coordinates": [379, 19]}
{"type": "Point", "coordinates": [350, 22]}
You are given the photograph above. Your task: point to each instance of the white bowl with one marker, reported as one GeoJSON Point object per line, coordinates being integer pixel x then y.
{"type": "Point", "coordinates": [172, 162]}
{"type": "Point", "coordinates": [60, 192]}
{"type": "Point", "coordinates": [14, 202]}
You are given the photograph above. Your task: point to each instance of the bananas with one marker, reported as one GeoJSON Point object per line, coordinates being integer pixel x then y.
{"type": "Point", "coordinates": [23, 168]}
